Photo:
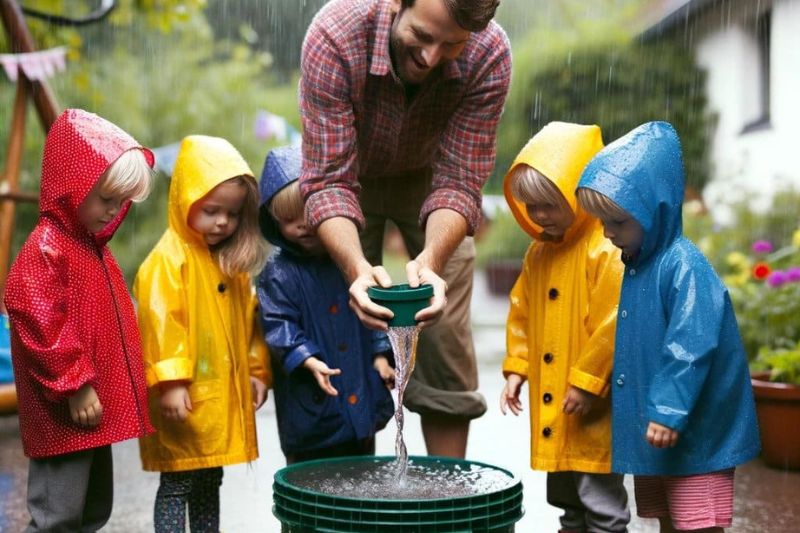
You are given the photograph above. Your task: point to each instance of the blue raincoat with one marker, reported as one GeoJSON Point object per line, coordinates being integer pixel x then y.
{"type": "Point", "coordinates": [305, 312]}
{"type": "Point", "coordinates": [679, 359]}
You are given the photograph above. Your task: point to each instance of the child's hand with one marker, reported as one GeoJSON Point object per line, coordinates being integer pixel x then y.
{"type": "Point", "coordinates": [661, 436]}
{"type": "Point", "coordinates": [381, 364]}
{"type": "Point", "coordinates": [85, 408]}
{"type": "Point", "coordinates": [509, 398]}
{"type": "Point", "coordinates": [322, 374]}
{"type": "Point", "coordinates": [175, 401]}
{"type": "Point", "coordinates": [259, 392]}
{"type": "Point", "coordinates": [577, 401]}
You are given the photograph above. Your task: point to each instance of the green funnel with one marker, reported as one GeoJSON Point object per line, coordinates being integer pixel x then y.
{"type": "Point", "coordinates": [403, 300]}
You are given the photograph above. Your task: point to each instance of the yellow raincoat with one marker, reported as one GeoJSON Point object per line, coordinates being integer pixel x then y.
{"type": "Point", "coordinates": [563, 311]}
{"type": "Point", "coordinates": [199, 326]}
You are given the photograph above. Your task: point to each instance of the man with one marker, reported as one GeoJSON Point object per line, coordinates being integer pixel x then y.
{"type": "Point", "coordinates": [400, 101]}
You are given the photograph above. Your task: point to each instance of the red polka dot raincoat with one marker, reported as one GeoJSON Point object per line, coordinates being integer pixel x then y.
{"type": "Point", "coordinates": [72, 319]}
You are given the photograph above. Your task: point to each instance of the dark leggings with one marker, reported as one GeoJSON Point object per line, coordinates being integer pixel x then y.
{"type": "Point", "coordinates": [197, 488]}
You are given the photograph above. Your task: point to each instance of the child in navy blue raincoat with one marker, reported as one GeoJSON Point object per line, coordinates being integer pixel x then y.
{"type": "Point", "coordinates": [682, 406]}
{"type": "Point", "coordinates": [331, 374]}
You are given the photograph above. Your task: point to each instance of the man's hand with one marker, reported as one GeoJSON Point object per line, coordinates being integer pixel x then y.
{"type": "Point", "coordinates": [175, 401]}
{"type": "Point", "coordinates": [322, 373]}
{"type": "Point", "coordinates": [385, 370]}
{"type": "Point", "coordinates": [258, 391]}
{"type": "Point", "coordinates": [661, 436]}
{"type": "Point", "coordinates": [509, 398]}
{"type": "Point", "coordinates": [418, 274]}
{"type": "Point", "coordinates": [85, 408]}
{"type": "Point", "coordinates": [372, 315]}
{"type": "Point", "coordinates": [577, 401]}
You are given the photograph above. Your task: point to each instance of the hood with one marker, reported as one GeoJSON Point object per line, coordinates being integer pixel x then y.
{"type": "Point", "coordinates": [643, 173]}
{"type": "Point", "coordinates": [281, 168]}
{"type": "Point", "coordinates": [79, 147]}
{"type": "Point", "coordinates": [560, 151]}
{"type": "Point", "coordinates": [203, 163]}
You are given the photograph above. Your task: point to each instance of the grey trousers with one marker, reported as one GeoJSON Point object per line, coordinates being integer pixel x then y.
{"type": "Point", "coordinates": [73, 492]}
{"type": "Point", "coordinates": [591, 502]}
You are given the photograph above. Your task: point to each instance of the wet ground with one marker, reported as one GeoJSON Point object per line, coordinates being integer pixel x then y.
{"type": "Point", "coordinates": [767, 500]}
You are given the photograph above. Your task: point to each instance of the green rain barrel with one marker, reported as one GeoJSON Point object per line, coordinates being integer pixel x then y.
{"type": "Point", "coordinates": [301, 508]}
{"type": "Point", "coordinates": [403, 300]}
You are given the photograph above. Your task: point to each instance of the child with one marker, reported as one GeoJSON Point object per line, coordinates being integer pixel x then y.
{"type": "Point", "coordinates": [205, 357]}
{"type": "Point", "coordinates": [75, 345]}
{"type": "Point", "coordinates": [560, 331]}
{"type": "Point", "coordinates": [330, 400]}
{"type": "Point", "coordinates": [683, 412]}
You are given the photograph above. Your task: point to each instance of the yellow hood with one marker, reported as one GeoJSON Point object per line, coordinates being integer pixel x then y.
{"type": "Point", "coordinates": [203, 163]}
{"type": "Point", "coordinates": [560, 151]}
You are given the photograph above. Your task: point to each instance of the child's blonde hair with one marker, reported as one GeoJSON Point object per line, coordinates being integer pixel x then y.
{"type": "Point", "coordinates": [531, 186]}
{"type": "Point", "coordinates": [245, 250]}
{"type": "Point", "coordinates": [130, 176]}
{"type": "Point", "coordinates": [287, 204]}
{"type": "Point", "coordinates": [599, 205]}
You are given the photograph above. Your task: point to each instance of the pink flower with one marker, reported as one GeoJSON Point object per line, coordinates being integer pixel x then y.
{"type": "Point", "coordinates": [793, 273]}
{"type": "Point", "coordinates": [762, 246]}
{"type": "Point", "coordinates": [777, 278]}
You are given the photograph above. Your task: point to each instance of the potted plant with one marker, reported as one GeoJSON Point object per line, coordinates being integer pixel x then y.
{"type": "Point", "coordinates": [764, 285]}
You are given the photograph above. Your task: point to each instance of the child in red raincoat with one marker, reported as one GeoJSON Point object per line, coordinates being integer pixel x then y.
{"type": "Point", "coordinates": [74, 339]}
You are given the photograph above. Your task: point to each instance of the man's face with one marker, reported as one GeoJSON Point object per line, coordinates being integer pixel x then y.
{"type": "Point", "coordinates": [422, 38]}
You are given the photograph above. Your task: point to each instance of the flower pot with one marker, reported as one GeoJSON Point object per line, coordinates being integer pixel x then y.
{"type": "Point", "coordinates": [501, 274]}
{"type": "Point", "coordinates": [404, 302]}
{"type": "Point", "coordinates": [778, 409]}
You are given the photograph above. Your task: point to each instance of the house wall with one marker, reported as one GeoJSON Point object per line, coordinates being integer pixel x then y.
{"type": "Point", "coordinates": [757, 163]}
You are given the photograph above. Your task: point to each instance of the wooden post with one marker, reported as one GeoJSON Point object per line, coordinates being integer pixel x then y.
{"type": "Point", "coordinates": [21, 41]}
{"type": "Point", "coordinates": [10, 182]}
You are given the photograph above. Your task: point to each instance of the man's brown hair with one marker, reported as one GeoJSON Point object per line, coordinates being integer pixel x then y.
{"type": "Point", "coordinates": [472, 15]}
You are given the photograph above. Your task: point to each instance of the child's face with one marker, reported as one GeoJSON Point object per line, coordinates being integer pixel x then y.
{"type": "Point", "coordinates": [99, 208]}
{"type": "Point", "coordinates": [297, 232]}
{"type": "Point", "coordinates": [554, 220]}
{"type": "Point", "coordinates": [216, 216]}
{"type": "Point", "coordinates": [625, 233]}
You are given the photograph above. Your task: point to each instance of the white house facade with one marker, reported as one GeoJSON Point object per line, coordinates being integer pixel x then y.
{"type": "Point", "coordinates": [750, 50]}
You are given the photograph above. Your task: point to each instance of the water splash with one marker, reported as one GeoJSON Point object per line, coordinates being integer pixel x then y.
{"type": "Point", "coordinates": [404, 345]}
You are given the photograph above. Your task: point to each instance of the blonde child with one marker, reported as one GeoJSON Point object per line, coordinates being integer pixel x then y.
{"type": "Point", "coordinates": [329, 369]}
{"type": "Point", "coordinates": [75, 344]}
{"type": "Point", "coordinates": [560, 331]}
{"type": "Point", "coordinates": [683, 411]}
{"type": "Point", "coordinates": [206, 361]}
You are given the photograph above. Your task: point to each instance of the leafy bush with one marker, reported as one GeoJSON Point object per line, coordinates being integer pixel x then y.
{"type": "Point", "coordinates": [783, 364]}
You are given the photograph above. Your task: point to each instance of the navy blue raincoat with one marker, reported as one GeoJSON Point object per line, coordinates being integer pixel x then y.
{"type": "Point", "coordinates": [304, 313]}
{"type": "Point", "coordinates": [679, 359]}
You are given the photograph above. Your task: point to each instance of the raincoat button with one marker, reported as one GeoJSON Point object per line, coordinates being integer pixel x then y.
{"type": "Point", "coordinates": [548, 358]}
{"type": "Point", "coordinates": [546, 432]}
{"type": "Point", "coordinates": [621, 380]}
{"type": "Point", "coordinates": [552, 293]}
{"type": "Point", "coordinates": [623, 313]}
{"type": "Point", "coordinates": [342, 347]}
{"type": "Point", "coordinates": [547, 398]}
{"type": "Point", "coordinates": [633, 272]}
{"type": "Point", "coordinates": [221, 287]}
{"type": "Point", "coordinates": [333, 309]}
{"type": "Point", "coordinates": [352, 399]}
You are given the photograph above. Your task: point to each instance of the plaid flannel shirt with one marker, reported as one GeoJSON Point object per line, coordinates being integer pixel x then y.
{"type": "Point", "coordinates": [358, 121]}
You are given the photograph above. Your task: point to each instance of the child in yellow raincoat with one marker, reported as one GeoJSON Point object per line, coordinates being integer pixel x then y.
{"type": "Point", "coordinates": [205, 359]}
{"type": "Point", "coordinates": [560, 331]}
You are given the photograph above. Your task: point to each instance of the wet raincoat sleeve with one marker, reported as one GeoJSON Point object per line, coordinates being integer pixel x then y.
{"type": "Point", "coordinates": [592, 368]}
{"type": "Point", "coordinates": [258, 354]}
{"type": "Point", "coordinates": [695, 312]}
{"type": "Point", "coordinates": [516, 360]}
{"type": "Point", "coordinates": [380, 343]}
{"type": "Point", "coordinates": [53, 351]}
{"type": "Point", "coordinates": [163, 320]}
{"type": "Point", "coordinates": [281, 318]}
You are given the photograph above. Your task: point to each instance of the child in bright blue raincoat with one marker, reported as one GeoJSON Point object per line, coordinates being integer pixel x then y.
{"type": "Point", "coordinates": [330, 372]}
{"type": "Point", "coordinates": [682, 406]}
